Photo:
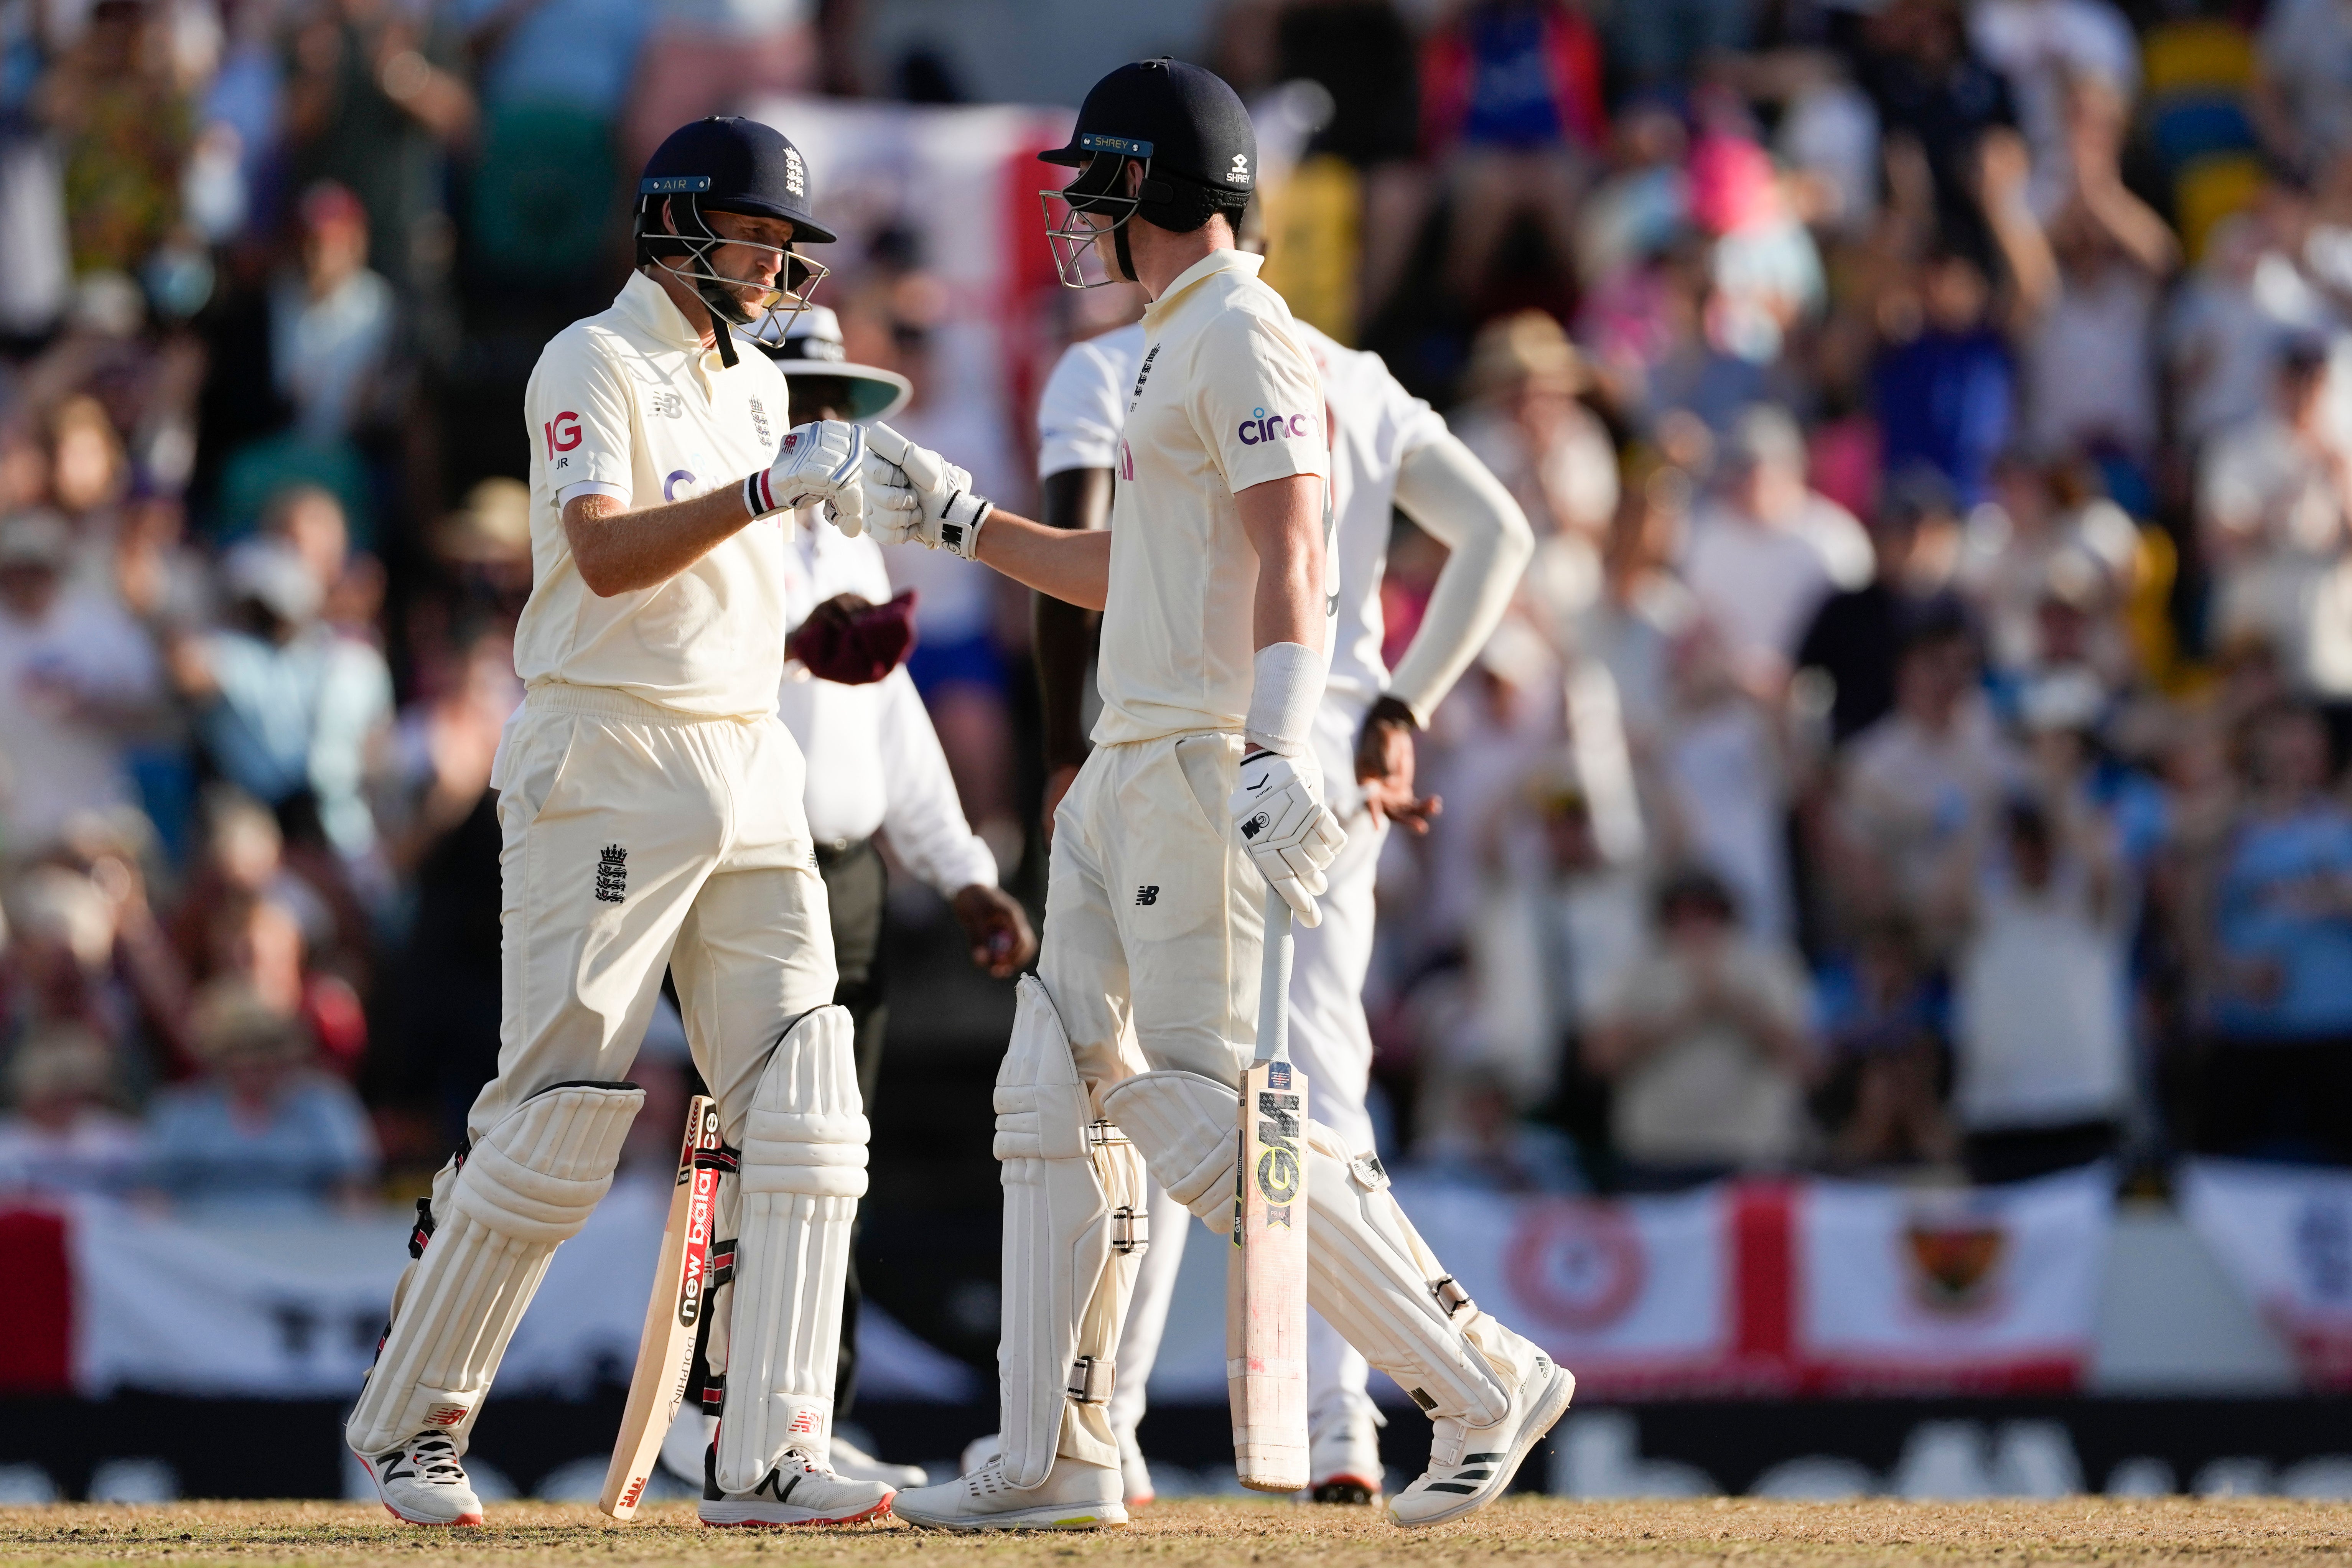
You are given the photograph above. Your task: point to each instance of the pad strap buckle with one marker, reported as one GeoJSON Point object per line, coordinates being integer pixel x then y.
{"type": "Point", "coordinates": [1130, 1230]}
{"type": "Point", "coordinates": [1092, 1379]}
{"type": "Point", "coordinates": [1451, 1296]}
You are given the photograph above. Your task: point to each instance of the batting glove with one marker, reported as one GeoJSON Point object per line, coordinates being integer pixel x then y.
{"type": "Point", "coordinates": [1289, 833]}
{"type": "Point", "coordinates": [948, 515]}
{"type": "Point", "coordinates": [827, 461]}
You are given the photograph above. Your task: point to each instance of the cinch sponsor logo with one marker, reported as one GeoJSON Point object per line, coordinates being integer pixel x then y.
{"type": "Point", "coordinates": [1263, 427]}
{"type": "Point", "coordinates": [669, 485]}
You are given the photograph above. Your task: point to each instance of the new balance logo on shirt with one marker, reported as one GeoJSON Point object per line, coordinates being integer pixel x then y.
{"type": "Point", "coordinates": [1148, 895]}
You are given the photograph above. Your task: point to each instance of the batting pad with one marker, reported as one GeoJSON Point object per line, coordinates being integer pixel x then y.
{"type": "Point", "coordinates": [1369, 1273]}
{"type": "Point", "coordinates": [1184, 1124]}
{"type": "Point", "coordinates": [804, 1170]}
{"type": "Point", "coordinates": [1074, 1207]}
{"type": "Point", "coordinates": [530, 1184]}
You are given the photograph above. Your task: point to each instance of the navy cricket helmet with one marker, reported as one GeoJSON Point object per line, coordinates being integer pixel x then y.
{"type": "Point", "coordinates": [1187, 131]}
{"type": "Point", "coordinates": [727, 163]}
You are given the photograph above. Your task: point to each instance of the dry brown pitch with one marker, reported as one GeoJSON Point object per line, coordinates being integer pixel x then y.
{"type": "Point", "coordinates": [1179, 1534]}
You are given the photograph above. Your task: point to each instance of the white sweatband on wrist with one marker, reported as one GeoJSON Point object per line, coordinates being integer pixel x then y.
{"type": "Point", "coordinates": [1287, 690]}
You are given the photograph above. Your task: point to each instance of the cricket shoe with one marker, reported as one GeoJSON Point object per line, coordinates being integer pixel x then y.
{"type": "Point", "coordinates": [1074, 1496]}
{"type": "Point", "coordinates": [1470, 1466]}
{"type": "Point", "coordinates": [1134, 1474]}
{"type": "Point", "coordinates": [1343, 1452]}
{"type": "Point", "coordinates": [852, 1463]}
{"type": "Point", "coordinates": [421, 1482]}
{"type": "Point", "coordinates": [798, 1490]}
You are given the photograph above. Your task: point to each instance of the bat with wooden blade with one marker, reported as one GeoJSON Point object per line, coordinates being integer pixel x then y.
{"type": "Point", "coordinates": [1266, 1278]}
{"type": "Point", "coordinates": [666, 1350]}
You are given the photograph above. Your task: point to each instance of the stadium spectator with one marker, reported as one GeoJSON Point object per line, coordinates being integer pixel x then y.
{"type": "Point", "coordinates": [1706, 1046]}
{"type": "Point", "coordinates": [286, 706]}
{"type": "Point", "coordinates": [1511, 109]}
{"type": "Point", "coordinates": [2040, 1035]}
{"type": "Point", "coordinates": [1915, 552]}
{"type": "Point", "coordinates": [374, 99]}
{"type": "Point", "coordinates": [1763, 554]}
{"type": "Point", "coordinates": [2271, 934]}
{"type": "Point", "coordinates": [2272, 500]}
{"type": "Point", "coordinates": [261, 1129]}
{"type": "Point", "coordinates": [1919, 783]}
{"type": "Point", "coordinates": [61, 1137]}
{"type": "Point", "coordinates": [78, 678]}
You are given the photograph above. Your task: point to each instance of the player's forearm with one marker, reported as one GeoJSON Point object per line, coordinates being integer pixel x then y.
{"type": "Point", "coordinates": [1073, 567]}
{"type": "Point", "coordinates": [1453, 498]}
{"type": "Point", "coordinates": [620, 552]}
{"type": "Point", "coordinates": [1075, 500]}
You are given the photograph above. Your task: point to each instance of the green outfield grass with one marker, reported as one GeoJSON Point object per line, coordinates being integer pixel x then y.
{"type": "Point", "coordinates": [1170, 1535]}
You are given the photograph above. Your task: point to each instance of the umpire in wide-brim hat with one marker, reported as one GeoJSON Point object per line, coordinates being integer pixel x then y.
{"type": "Point", "coordinates": [809, 346]}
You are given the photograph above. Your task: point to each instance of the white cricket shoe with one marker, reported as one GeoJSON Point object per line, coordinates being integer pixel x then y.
{"type": "Point", "coordinates": [1134, 1474]}
{"type": "Point", "coordinates": [852, 1463]}
{"type": "Point", "coordinates": [1470, 1466]}
{"type": "Point", "coordinates": [1343, 1455]}
{"type": "Point", "coordinates": [798, 1490]}
{"type": "Point", "coordinates": [1074, 1496]}
{"type": "Point", "coordinates": [421, 1482]}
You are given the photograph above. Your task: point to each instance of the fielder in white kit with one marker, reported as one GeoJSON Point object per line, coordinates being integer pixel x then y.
{"type": "Point", "coordinates": [1388, 449]}
{"type": "Point", "coordinates": [1203, 787]}
{"type": "Point", "coordinates": [650, 807]}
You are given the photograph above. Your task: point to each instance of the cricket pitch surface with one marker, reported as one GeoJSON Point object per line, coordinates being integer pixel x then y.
{"type": "Point", "coordinates": [1177, 1534]}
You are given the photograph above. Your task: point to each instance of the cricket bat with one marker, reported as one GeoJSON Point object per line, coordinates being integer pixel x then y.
{"type": "Point", "coordinates": [1266, 1278]}
{"type": "Point", "coordinates": [666, 1350]}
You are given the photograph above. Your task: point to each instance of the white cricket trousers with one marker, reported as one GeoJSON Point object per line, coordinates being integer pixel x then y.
{"type": "Point", "coordinates": [636, 839]}
{"type": "Point", "coordinates": [1152, 916]}
{"type": "Point", "coordinates": [1332, 1044]}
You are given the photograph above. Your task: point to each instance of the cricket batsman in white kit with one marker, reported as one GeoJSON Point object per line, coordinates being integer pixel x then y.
{"type": "Point", "coordinates": [650, 808]}
{"type": "Point", "coordinates": [1216, 626]}
{"type": "Point", "coordinates": [1389, 450]}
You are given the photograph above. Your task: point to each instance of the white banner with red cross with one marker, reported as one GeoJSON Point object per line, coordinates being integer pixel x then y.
{"type": "Point", "coordinates": [2284, 1232]}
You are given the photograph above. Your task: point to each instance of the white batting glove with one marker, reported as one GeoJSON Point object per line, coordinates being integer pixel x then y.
{"type": "Point", "coordinates": [1289, 833]}
{"type": "Point", "coordinates": [825, 461]}
{"type": "Point", "coordinates": [948, 515]}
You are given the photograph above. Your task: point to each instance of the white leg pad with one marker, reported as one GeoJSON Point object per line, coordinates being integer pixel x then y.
{"type": "Point", "coordinates": [802, 1171]}
{"type": "Point", "coordinates": [528, 1185]}
{"type": "Point", "coordinates": [1369, 1273]}
{"type": "Point", "coordinates": [1074, 1227]}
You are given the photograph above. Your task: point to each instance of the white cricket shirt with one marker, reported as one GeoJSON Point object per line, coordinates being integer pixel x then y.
{"type": "Point", "coordinates": [1374, 424]}
{"type": "Point", "coordinates": [630, 402]}
{"type": "Point", "coordinates": [1226, 397]}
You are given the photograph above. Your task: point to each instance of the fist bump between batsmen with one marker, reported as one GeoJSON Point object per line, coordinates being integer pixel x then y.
{"type": "Point", "coordinates": [948, 515]}
{"type": "Point", "coordinates": [1290, 834]}
{"type": "Point", "coordinates": [829, 461]}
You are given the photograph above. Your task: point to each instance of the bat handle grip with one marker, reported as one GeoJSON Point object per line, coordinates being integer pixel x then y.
{"type": "Point", "coordinates": [1274, 983]}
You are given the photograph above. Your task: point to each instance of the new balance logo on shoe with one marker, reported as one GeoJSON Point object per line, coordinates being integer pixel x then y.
{"type": "Point", "coordinates": [1148, 895]}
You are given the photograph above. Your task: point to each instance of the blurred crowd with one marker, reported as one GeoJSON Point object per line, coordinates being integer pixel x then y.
{"type": "Point", "coordinates": [1918, 746]}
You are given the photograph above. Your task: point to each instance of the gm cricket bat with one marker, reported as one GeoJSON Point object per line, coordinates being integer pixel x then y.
{"type": "Point", "coordinates": [1266, 1278]}
{"type": "Point", "coordinates": [666, 1350]}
